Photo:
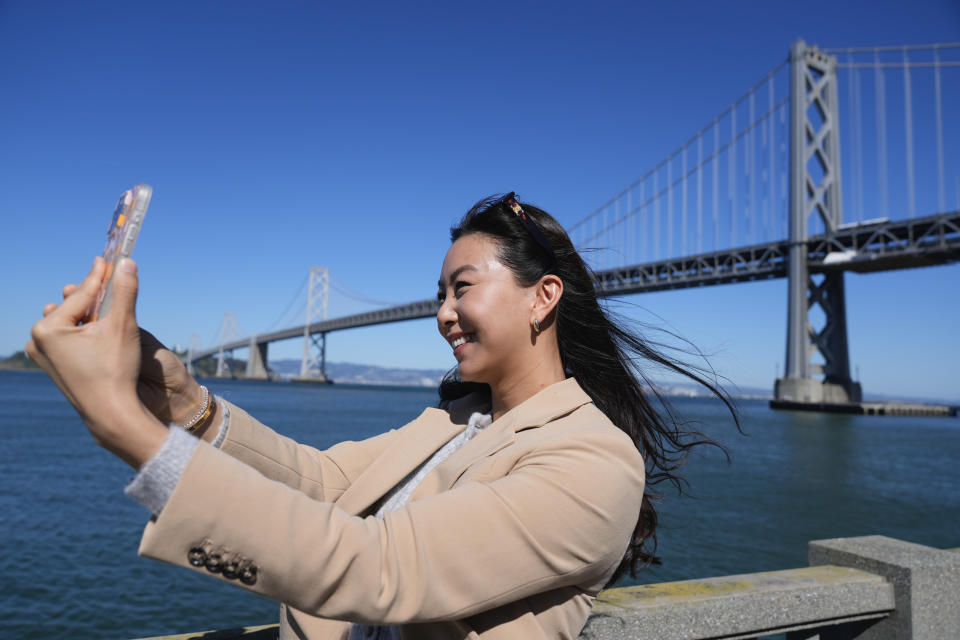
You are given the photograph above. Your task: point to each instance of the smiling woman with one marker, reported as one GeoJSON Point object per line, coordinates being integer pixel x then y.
{"type": "Point", "coordinates": [487, 318]}
{"type": "Point", "coordinates": [573, 331]}
{"type": "Point", "coordinates": [500, 514]}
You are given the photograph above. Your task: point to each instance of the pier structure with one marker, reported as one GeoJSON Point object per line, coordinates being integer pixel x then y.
{"type": "Point", "coordinates": [257, 359]}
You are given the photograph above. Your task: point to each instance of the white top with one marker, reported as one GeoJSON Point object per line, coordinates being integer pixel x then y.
{"type": "Point", "coordinates": [398, 497]}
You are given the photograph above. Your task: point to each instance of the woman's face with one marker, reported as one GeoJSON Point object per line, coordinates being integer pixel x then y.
{"type": "Point", "coordinates": [485, 314]}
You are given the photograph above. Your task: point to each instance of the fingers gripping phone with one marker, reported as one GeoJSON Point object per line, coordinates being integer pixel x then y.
{"type": "Point", "coordinates": [121, 236]}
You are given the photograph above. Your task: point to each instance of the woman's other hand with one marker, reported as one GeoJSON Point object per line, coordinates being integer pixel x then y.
{"type": "Point", "coordinates": [97, 365]}
{"type": "Point", "coordinates": [165, 387]}
{"type": "Point", "coordinates": [168, 390]}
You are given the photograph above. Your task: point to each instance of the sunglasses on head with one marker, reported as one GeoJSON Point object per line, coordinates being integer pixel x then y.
{"type": "Point", "coordinates": [510, 200]}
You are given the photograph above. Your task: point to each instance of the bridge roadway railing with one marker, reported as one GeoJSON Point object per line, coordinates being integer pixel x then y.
{"type": "Point", "coordinates": [874, 246]}
{"type": "Point", "coordinates": [866, 588]}
{"type": "Point", "coordinates": [410, 311]}
{"type": "Point", "coordinates": [900, 244]}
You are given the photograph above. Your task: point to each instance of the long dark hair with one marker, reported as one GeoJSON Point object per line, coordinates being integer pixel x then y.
{"type": "Point", "coordinates": [601, 352]}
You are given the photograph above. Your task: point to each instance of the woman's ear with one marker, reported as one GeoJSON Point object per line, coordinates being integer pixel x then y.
{"type": "Point", "coordinates": [549, 290]}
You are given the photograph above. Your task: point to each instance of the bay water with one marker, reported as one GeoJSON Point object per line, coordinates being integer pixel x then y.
{"type": "Point", "coordinates": [69, 566]}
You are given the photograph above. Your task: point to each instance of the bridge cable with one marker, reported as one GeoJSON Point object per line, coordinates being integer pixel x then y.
{"type": "Point", "coordinates": [853, 111]}
{"type": "Point", "coordinates": [759, 213]}
{"type": "Point", "coordinates": [215, 340]}
{"type": "Point", "coordinates": [654, 199]}
{"type": "Point", "coordinates": [771, 174]}
{"type": "Point", "coordinates": [656, 218]}
{"type": "Point", "coordinates": [631, 239]}
{"type": "Point", "coordinates": [731, 178]}
{"type": "Point", "coordinates": [784, 165]}
{"type": "Point", "coordinates": [699, 195]}
{"type": "Point", "coordinates": [660, 165]}
{"type": "Point", "coordinates": [345, 290]}
{"type": "Point", "coordinates": [301, 312]}
{"type": "Point", "coordinates": [941, 198]}
{"type": "Point", "coordinates": [716, 187]}
{"type": "Point", "coordinates": [670, 208]}
{"type": "Point", "coordinates": [908, 117]}
{"type": "Point", "coordinates": [683, 206]}
{"type": "Point", "coordinates": [750, 159]}
{"type": "Point", "coordinates": [858, 128]}
{"type": "Point", "coordinates": [295, 297]}
{"type": "Point", "coordinates": [881, 109]}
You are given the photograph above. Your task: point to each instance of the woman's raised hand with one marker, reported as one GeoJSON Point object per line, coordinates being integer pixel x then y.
{"type": "Point", "coordinates": [97, 365]}
{"type": "Point", "coordinates": [165, 387]}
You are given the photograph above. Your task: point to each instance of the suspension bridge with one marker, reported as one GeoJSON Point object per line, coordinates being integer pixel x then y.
{"type": "Point", "coordinates": [762, 191]}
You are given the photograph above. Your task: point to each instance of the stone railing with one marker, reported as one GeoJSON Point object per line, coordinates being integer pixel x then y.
{"type": "Point", "coordinates": [868, 588]}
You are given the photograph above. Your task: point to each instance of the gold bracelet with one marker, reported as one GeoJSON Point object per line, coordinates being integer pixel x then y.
{"type": "Point", "coordinates": [203, 414]}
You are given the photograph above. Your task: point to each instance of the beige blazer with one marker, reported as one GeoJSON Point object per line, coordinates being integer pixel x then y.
{"type": "Point", "coordinates": [511, 537]}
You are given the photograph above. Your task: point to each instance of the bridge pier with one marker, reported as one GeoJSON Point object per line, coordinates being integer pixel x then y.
{"type": "Point", "coordinates": [812, 391]}
{"type": "Point", "coordinates": [257, 360]}
{"type": "Point", "coordinates": [814, 188]}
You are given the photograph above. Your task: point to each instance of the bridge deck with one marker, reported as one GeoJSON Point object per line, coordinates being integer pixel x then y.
{"type": "Point", "coordinates": [879, 246]}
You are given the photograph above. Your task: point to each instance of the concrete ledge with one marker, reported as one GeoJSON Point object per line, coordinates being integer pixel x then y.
{"type": "Point", "coordinates": [740, 606]}
{"type": "Point", "coordinates": [926, 583]}
{"type": "Point", "coordinates": [869, 588]}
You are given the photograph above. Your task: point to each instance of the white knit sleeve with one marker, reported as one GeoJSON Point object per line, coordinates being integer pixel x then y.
{"type": "Point", "coordinates": [154, 483]}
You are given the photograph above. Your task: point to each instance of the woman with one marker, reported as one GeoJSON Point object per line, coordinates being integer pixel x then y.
{"type": "Point", "coordinates": [499, 515]}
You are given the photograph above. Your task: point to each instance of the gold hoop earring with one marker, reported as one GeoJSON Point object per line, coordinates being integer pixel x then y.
{"type": "Point", "coordinates": [536, 325]}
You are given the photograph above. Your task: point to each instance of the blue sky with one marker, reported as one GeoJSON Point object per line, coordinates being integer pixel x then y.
{"type": "Point", "coordinates": [283, 135]}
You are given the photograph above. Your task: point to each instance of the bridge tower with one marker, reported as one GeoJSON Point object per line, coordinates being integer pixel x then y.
{"type": "Point", "coordinates": [228, 333]}
{"type": "Point", "coordinates": [196, 345]}
{"type": "Point", "coordinates": [814, 188]}
{"type": "Point", "coordinates": [313, 368]}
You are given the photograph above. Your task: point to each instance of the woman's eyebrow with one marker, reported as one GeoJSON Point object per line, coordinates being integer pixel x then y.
{"type": "Point", "coordinates": [457, 272]}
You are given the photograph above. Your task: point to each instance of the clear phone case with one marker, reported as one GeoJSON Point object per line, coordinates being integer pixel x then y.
{"type": "Point", "coordinates": [121, 236]}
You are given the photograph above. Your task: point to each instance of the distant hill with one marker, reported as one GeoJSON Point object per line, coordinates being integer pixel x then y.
{"type": "Point", "coordinates": [19, 360]}
{"type": "Point", "coordinates": [349, 373]}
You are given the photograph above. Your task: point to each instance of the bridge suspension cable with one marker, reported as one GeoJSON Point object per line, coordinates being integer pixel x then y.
{"type": "Point", "coordinates": [729, 146]}
{"type": "Point", "coordinates": [695, 136]}
{"type": "Point", "coordinates": [297, 296]}
{"type": "Point", "coordinates": [740, 176]}
{"type": "Point", "coordinates": [341, 288]}
{"type": "Point", "coordinates": [653, 217]}
{"type": "Point", "coordinates": [916, 178]}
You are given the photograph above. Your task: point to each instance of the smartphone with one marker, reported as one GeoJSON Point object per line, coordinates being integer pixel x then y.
{"type": "Point", "coordinates": [121, 236]}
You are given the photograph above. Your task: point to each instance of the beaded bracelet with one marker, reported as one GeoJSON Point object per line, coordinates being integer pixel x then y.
{"type": "Point", "coordinates": [202, 414]}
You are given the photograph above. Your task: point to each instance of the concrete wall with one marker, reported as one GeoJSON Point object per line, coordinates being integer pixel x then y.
{"type": "Point", "coordinates": [865, 588]}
